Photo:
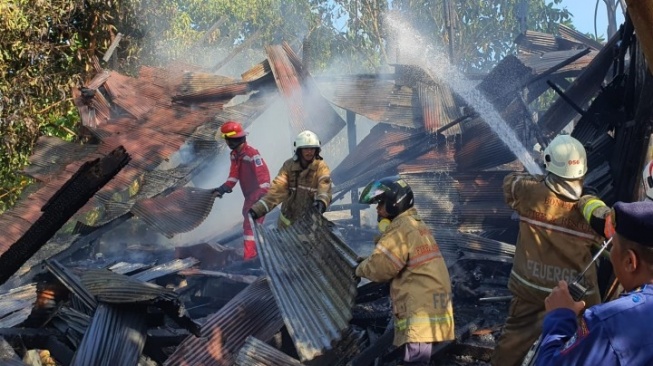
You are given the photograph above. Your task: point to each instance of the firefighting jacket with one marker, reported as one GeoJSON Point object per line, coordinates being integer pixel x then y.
{"type": "Point", "coordinates": [554, 240]}
{"type": "Point", "coordinates": [408, 256]}
{"type": "Point", "coordinates": [248, 167]}
{"type": "Point", "coordinates": [615, 333]}
{"type": "Point", "coordinates": [296, 189]}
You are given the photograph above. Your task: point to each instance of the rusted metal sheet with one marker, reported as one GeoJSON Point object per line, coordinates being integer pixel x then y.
{"type": "Point", "coordinates": [482, 205]}
{"type": "Point", "coordinates": [253, 312]}
{"type": "Point", "coordinates": [321, 117]}
{"type": "Point", "coordinates": [257, 72]}
{"type": "Point", "coordinates": [544, 62]}
{"type": "Point", "coordinates": [382, 152]}
{"type": "Point", "coordinates": [178, 212]}
{"type": "Point", "coordinates": [311, 273]}
{"type": "Point", "coordinates": [218, 93]}
{"type": "Point", "coordinates": [51, 155]}
{"type": "Point", "coordinates": [375, 98]}
{"type": "Point", "coordinates": [307, 108]}
{"type": "Point", "coordinates": [258, 353]}
{"type": "Point", "coordinates": [289, 86]}
{"type": "Point", "coordinates": [381, 145]}
{"type": "Point", "coordinates": [116, 336]}
{"type": "Point", "coordinates": [536, 42]}
{"type": "Point", "coordinates": [438, 107]}
{"type": "Point", "coordinates": [439, 159]}
{"type": "Point", "coordinates": [578, 37]}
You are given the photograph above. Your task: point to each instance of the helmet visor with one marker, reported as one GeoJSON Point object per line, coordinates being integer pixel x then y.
{"type": "Point", "coordinates": [373, 192]}
{"type": "Point", "coordinates": [229, 134]}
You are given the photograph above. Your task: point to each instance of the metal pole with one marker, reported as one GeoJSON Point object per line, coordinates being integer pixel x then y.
{"type": "Point", "coordinates": [351, 139]}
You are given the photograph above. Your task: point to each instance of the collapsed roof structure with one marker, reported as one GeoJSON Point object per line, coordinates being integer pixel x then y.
{"type": "Point", "coordinates": [424, 131]}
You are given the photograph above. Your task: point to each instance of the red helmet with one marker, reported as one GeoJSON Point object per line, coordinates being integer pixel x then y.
{"type": "Point", "coordinates": [232, 130]}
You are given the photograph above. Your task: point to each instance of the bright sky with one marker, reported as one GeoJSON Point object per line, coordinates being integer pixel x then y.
{"type": "Point", "coordinates": [583, 11]}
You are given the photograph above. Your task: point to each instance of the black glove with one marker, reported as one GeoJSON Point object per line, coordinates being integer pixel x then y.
{"type": "Point", "coordinates": [220, 191]}
{"type": "Point", "coordinates": [253, 214]}
{"type": "Point", "coordinates": [320, 206]}
{"type": "Point", "coordinates": [590, 190]}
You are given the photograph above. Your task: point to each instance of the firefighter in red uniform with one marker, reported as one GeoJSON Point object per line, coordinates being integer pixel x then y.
{"type": "Point", "coordinates": [248, 167]}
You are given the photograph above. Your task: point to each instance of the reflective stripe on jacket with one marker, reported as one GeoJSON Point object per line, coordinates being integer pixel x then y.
{"type": "Point", "coordinates": [296, 189]}
{"type": "Point", "coordinates": [248, 168]}
{"type": "Point", "coordinates": [554, 240]}
{"type": "Point", "coordinates": [407, 255]}
{"type": "Point", "coordinates": [614, 333]}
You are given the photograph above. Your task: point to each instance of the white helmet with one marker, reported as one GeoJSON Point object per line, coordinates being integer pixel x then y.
{"type": "Point", "coordinates": [647, 179]}
{"type": "Point", "coordinates": [566, 157]}
{"type": "Point", "coordinates": [306, 139]}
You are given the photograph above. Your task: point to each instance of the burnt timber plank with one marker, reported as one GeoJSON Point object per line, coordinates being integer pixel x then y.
{"type": "Point", "coordinates": [74, 194]}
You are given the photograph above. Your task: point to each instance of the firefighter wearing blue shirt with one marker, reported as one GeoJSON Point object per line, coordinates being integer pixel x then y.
{"type": "Point", "coordinates": [617, 332]}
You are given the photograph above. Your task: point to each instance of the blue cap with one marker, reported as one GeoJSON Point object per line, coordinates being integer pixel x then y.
{"type": "Point", "coordinates": [634, 221]}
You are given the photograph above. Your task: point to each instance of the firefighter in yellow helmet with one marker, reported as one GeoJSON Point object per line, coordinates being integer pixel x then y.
{"type": "Point", "coordinates": [304, 181]}
{"type": "Point", "coordinates": [407, 256]}
{"type": "Point", "coordinates": [553, 244]}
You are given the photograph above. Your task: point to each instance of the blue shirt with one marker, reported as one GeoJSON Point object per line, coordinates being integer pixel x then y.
{"type": "Point", "coordinates": [615, 333]}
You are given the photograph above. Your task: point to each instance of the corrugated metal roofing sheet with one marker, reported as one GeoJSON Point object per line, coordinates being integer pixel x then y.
{"type": "Point", "coordinates": [578, 37]}
{"type": "Point", "coordinates": [540, 63]}
{"type": "Point", "coordinates": [116, 336]}
{"type": "Point", "coordinates": [179, 211]}
{"type": "Point", "coordinates": [258, 353]}
{"type": "Point", "coordinates": [438, 107]}
{"type": "Point", "coordinates": [114, 288]}
{"type": "Point", "coordinates": [311, 273]}
{"type": "Point", "coordinates": [377, 99]}
{"type": "Point", "coordinates": [253, 312]}
{"type": "Point", "coordinates": [161, 270]}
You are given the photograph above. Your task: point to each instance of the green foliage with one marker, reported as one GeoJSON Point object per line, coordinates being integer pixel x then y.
{"type": "Point", "coordinates": [484, 31]}
{"type": "Point", "coordinates": [47, 47]}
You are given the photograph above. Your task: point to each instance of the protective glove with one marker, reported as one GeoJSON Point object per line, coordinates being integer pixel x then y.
{"type": "Point", "coordinates": [320, 206]}
{"type": "Point", "coordinates": [589, 190]}
{"type": "Point", "coordinates": [253, 214]}
{"type": "Point", "coordinates": [220, 191]}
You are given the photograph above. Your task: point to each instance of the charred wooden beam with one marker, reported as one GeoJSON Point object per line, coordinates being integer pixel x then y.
{"type": "Point", "coordinates": [582, 90]}
{"type": "Point", "coordinates": [72, 283]}
{"type": "Point", "coordinates": [74, 194]}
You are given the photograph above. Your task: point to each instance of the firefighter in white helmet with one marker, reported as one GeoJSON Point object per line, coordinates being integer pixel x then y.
{"type": "Point", "coordinates": [600, 216]}
{"type": "Point", "coordinates": [303, 181]}
{"type": "Point", "coordinates": [553, 244]}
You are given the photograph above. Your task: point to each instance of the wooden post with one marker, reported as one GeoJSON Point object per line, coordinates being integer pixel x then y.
{"type": "Point", "coordinates": [351, 138]}
{"type": "Point", "coordinates": [641, 14]}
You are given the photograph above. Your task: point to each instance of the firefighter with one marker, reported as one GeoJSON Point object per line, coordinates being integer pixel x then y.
{"type": "Point", "coordinates": [407, 255]}
{"type": "Point", "coordinates": [303, 181]}
{"type": "Point", "coordinates": [248, 167]}
{"type": "Point", "coordinates": [553, 244]}
{"type": "Point", "coordinates": [597, 213]}
{"type": "Point", "coordinates": [617, 332]}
